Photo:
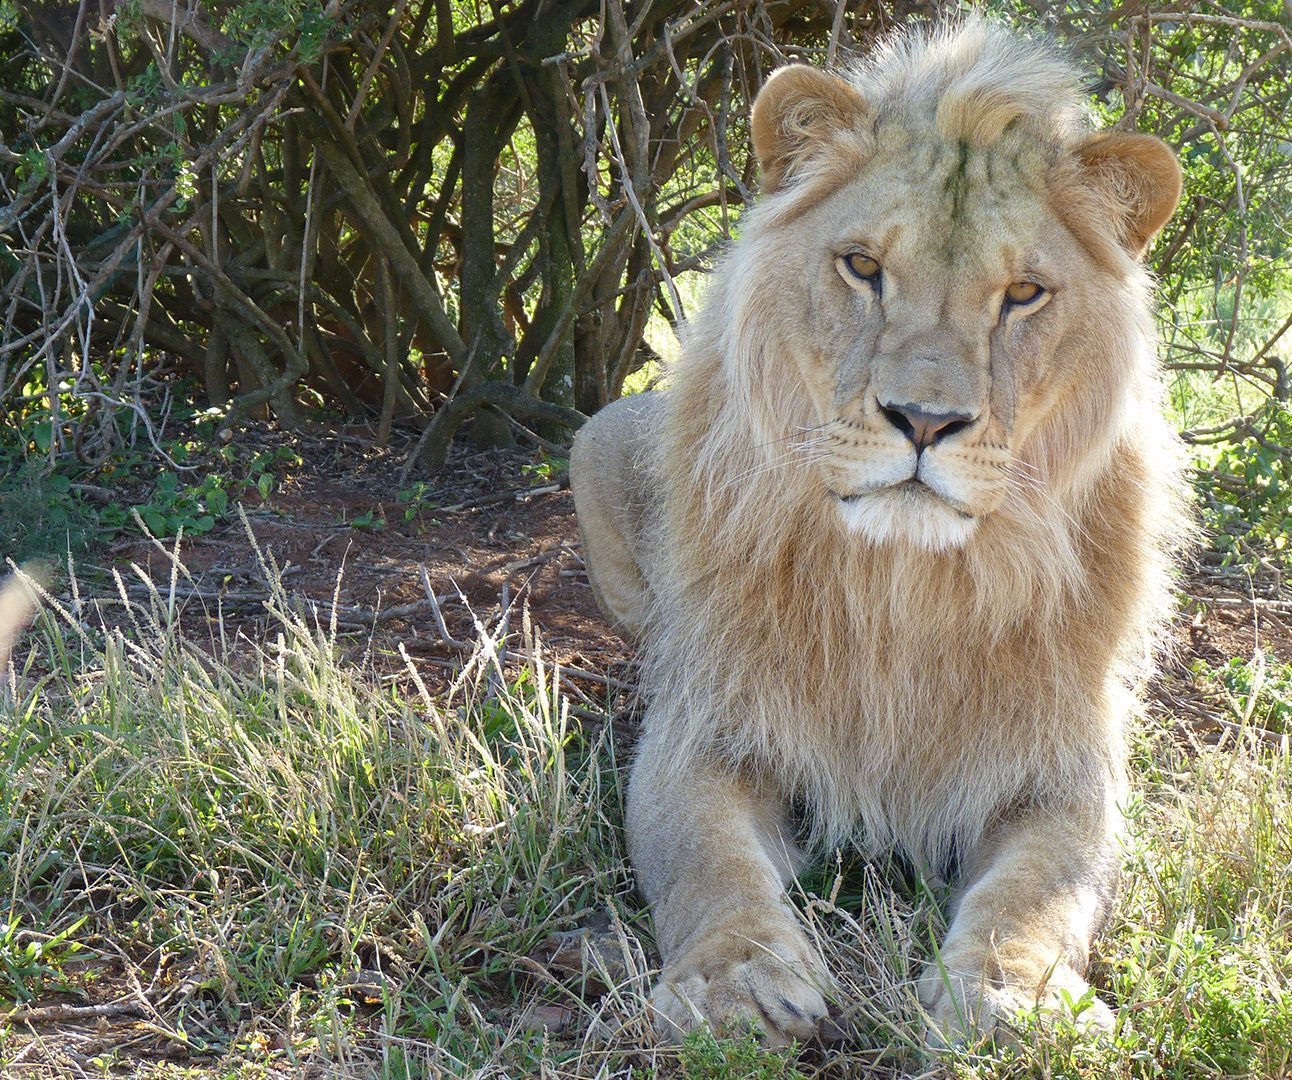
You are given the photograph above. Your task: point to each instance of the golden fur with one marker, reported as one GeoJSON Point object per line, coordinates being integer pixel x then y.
{"type": "Point", "coordinates": [925, 648]}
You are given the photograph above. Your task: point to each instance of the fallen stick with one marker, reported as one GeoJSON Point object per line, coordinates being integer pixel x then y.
{"type": "Point", "coordinates": [1249, 602]}
{"type": "Point", "coordinates": [1271, 738]}
{"type": "Point", "coordinates": [516, 495]}
{"type": "Point", "coordinates": [48, 1014]}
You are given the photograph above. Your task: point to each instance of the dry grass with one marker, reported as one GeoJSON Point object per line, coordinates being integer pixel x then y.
{"type": "Point", "coordinates": [248, 859]}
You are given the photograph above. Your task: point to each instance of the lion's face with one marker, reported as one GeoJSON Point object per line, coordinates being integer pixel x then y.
{"type": "Point", "coordinates": [944, 298]}
{"type": "Point", "coordinates": [945, 286]}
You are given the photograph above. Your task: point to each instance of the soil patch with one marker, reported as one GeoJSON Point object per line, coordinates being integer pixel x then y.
{"type": "Point", "coordinates": [492, 538]}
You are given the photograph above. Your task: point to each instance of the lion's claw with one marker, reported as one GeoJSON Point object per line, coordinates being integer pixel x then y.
{"type": "Point", "coordinates": [737, 982]}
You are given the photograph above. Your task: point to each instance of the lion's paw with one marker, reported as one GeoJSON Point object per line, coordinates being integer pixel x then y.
{"type": "Point", "coordinates": [772, 981]}
{"type": "Point", "coordinates": [968, 1009]}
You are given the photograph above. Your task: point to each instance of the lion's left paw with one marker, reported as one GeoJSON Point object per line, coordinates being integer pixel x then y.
{"type": "Point", "coordinates": [964, 1007]}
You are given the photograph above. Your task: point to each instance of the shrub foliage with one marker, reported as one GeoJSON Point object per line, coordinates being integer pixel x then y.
{"type": "Point", "coordinates": [437, 211]}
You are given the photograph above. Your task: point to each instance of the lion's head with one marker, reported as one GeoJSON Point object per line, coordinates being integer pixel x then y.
{"type": "Point", "coordinates": [938, 298]}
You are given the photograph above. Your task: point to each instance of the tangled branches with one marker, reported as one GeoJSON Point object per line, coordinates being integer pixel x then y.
{"type": "Point", "coordinates": [316, 206]}
{"type": "Point", "coordinates": [1213, 81]}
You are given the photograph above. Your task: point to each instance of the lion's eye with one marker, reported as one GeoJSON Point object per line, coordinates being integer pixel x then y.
{"type": "Point", "coordinates": [1024, 292]}
{"type": "Point", "coordinates": [862, 267]}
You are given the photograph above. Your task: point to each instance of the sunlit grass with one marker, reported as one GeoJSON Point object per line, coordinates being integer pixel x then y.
{"type": "Point", "coordinates": [299, 859]}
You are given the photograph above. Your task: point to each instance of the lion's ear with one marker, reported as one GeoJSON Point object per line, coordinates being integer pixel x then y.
{"type": "Point", "coordinates": [1139, 178]}
{"type": "Point", "coordinates": [799, 108]}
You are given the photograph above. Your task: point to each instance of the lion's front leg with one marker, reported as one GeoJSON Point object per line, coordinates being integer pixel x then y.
{"type": "Point", "coordinates": [1020, 938]}
{"type": "Point", "coordinates": [712, 854]}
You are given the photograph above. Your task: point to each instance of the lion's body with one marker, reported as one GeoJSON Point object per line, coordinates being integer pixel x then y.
{"type": "Point", "coordinates": [926, 645]}
{"type": "Point", "coordinates": [894, 701]}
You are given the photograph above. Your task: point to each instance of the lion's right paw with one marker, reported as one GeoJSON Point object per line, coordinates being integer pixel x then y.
{"type": "Point", "coordinates": [965, 1008]}
{"type": "Point", "coordinates": [768, 979]}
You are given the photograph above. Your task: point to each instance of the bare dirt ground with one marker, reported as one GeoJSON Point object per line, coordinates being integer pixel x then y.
{"type": "Point", "coordinates": [494, 532]}
{"type": "Point", "coordinates": [492, 538]}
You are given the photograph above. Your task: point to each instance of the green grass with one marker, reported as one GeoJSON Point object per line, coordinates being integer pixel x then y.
{"type": "Point", "coordinates": [298, 859]}
{"type": "Point", "coordinates": [40, 515]}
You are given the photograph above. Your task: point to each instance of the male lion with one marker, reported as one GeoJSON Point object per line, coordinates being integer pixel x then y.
{"type": "Point", "coordinates": [897, 534]}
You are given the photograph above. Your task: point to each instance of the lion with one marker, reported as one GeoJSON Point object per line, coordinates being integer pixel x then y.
{"type": "Point", "coordinates": [896, 540]}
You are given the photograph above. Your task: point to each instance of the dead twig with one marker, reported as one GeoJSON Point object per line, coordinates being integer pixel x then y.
{"type": "Point", "coordinates": [74, 1014]}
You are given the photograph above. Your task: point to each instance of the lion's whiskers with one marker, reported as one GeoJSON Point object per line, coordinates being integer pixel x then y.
{"type": "Point", "coordinates": [792, 435]}
{"type": "Point", "coordinates": [799, 453]}
{"type": "Point", "coordinates": [1027, 485]}
{"type": "Point", "coordinates": [1017, 475]}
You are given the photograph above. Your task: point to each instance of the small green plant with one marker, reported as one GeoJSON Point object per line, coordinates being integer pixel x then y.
{"type": "Point", "coordinates": [41, 515]}
{"type": "Point", "coordinates": [1073, 1008]}
{"type": "Point", "coordinates": [1245, 489]}
{"type": "Point", "coordinates": [263, 469]}
{"type": "Point", "coordinates": [414, 500]}
{"type": "Point", "coordinates": [1260, 691]}
{"type": "Point", "coordinates": [548, 467]}
{"type": "Point", "coordinates": [704, 1057]}
{"type": "Point", "coordinates": [48, 508]}
{"type": "Point", "coordinates": [30, 963]}
{"type": "Point", "coordinates": [373, 520]}
{"type": "Point", "coordinates": [196, 507]}
{"type": "Point", "coordinates": [192, 508]}
{"type": "Point", "coordinates": [1198, 1013]}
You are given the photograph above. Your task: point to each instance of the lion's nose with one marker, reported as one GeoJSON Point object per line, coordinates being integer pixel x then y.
{"type": "Point", "coordinates": [924, 428]}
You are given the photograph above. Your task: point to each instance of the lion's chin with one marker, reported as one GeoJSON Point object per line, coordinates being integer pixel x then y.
{"type": "Point", "coordinates": [909, 514]}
